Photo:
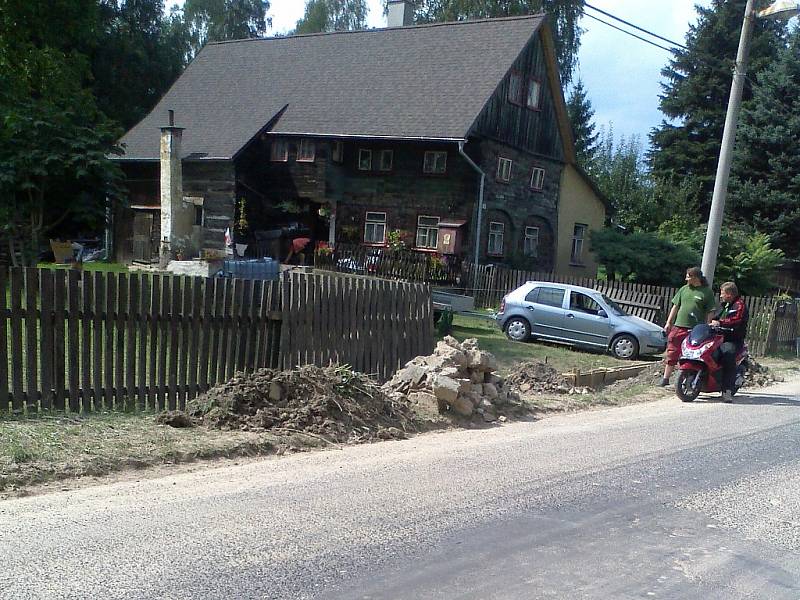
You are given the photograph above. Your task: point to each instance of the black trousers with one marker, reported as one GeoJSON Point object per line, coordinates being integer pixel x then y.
{"type": "Point", "coordinates": [728, 359]}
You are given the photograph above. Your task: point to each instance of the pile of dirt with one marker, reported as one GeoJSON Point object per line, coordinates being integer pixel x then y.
{"type": "Point", "coordinates": [650, 376]}
{"type": "Point", "coordinates": [333, 403]}
{"type": "Point", "coordinates": [759, 375]}
{"type": "Point", "coordinates": [459, 380]}
{"type": "Point", "coordinates": [536, 377]}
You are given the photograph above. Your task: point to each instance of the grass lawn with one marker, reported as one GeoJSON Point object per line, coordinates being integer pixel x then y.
{"type": "Point", "coordinates": [104, 267]}
{"type": "Point", "coordinates": [509, 353]}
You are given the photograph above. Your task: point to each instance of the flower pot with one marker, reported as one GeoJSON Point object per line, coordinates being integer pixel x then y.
{"type": "Point", "coordinates": [241, 249]}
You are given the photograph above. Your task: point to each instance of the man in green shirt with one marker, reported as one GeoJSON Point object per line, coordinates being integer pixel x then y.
{"type": "Point", "coordinates": [692, 305]}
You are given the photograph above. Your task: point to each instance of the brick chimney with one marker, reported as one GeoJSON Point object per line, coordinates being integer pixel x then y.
{"type": "Point", "coordinates": [171, 186]}
{"type": "Point", "coordinates": [401, 13]}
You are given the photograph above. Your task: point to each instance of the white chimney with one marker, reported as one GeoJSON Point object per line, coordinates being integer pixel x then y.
{"type": "Point", "coordinates": [171, 185]}
{"type": "Point", "coordinates": [401, 13]}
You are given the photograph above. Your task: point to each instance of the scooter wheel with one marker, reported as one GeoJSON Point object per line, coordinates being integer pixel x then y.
{"type": "Point", "coordinates": [684, 388]}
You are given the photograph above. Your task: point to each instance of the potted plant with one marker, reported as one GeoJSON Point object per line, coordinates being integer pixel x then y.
{"type": "Point", "coordinates": [242, 228]}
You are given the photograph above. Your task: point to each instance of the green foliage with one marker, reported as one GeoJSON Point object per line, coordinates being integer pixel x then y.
{"type": "Point", "coordinates": [765, 183]}
{"type": "Point", "coordinates": [581, 115]}
{"type": "Point", "coordinates": [563, 16]}
{"type": "Point", "coordinates": [695, 97]}
{"type": "Point", "coordinates": [752, 266]}
{"type": "Point", "coordinates": [219, 20]}
{"type": "Point", "coordinates": [333, 15]}
{"type": "Point", "coordinates": [444, 326]}
{"type": "Point", "coordinates": [745, 256]}
{"type": "Point", "coordinates": [641, 257]}
{"type": "Point", "coordinates": [399, 239]}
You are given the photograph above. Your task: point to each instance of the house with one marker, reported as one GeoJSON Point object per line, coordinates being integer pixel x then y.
{"type": "Point", "coordinates": [453, 137]}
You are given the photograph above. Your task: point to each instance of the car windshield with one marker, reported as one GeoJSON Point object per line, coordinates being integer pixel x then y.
{"type": "Point", "coordinates": [616, 310]}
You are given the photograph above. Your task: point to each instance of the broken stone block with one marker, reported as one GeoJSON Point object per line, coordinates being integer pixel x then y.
{"type": "Point", "coordinates": [413, 374]}
{"type": "Point", "coordinates": [465, 386]}
{"type": "Point", "coordinates": [476, 377]}
{"type": "Point", "coordinates": [446, 389]}
{"type": "Point", "coordinates": [492, 378]}
{"type": "Point", "coordinates": [477, 388]}
{"type": "Point", "coordinates": [469, 344]}
{"type": "Point", "coordinates": [462, 405]}
{"type": "Point", "coordinates": [452, 342]}
{"type": "Point", "coordinates": [490, 391]}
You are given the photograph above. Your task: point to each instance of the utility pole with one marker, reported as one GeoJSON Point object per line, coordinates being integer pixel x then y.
{"type": "Point", "coordinates": [726, 151]}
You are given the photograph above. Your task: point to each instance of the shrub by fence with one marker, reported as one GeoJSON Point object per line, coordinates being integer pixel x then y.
{"type": "Point", "coordinates": [95, 341]}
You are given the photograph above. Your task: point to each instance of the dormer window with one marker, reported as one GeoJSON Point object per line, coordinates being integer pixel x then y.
{"type": "Point", "coordinates": [306, 150]}
{"type": "Point", "coordinates": [364, 159]}
{"type": "Point", "coordinates": [435, 163]}
{"type": "Point", "coordinates": [280, 150]}
{"type": "Point", "coordinates": [534, 95]}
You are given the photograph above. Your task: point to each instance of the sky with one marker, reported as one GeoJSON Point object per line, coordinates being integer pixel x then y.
{"type": "Point", "coordinates": [621, 74]}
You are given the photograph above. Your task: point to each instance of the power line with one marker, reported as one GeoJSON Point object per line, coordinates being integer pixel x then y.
{"type": "Point", "coordinates": [630, 33]}
{"type": "Point", "coordinates": [629, 24]}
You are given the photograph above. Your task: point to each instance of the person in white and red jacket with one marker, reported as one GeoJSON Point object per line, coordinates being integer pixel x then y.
{"type": "Point", "coordinates": [733, 316]}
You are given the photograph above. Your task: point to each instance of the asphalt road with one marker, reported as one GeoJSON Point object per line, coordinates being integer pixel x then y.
{"type": "Point", "coordinates": [659, 500]}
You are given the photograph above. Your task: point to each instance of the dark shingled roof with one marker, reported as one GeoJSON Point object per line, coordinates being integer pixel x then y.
{"type": "Point", "coordinates": [427, 82]}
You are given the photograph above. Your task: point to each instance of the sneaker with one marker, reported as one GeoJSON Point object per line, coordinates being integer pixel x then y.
{"type": "Point", "coordinates": [664, 382]}
{"type": "Point", "coordinates": [727, 396]}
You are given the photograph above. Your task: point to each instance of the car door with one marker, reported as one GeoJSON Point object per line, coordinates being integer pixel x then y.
{"type": "Point", "coordinates": [586, 321]}
{"type": "Point", "coordinates": [547, 316]}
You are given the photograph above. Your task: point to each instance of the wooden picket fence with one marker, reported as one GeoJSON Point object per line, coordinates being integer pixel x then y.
{"type": "Point", "coordinates": [83, 341]}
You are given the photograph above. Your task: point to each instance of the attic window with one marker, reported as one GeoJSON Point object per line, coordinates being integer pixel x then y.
{"type": "Point", "coordinates": [515, 85]}
{"type": "Point", "coordinates": [337, 151]}
{"type": "Point", "coordinates": [537, 179]}
{"type": "Point", "coordinates": [387, 159]}
{"type": "Point", "coordinates": [435, 162]}
{"type": "Point", "coordinates": [534, 96]}
{"type": "Point", "coordinates": [280, 150]}
{"type": "Point", "coordinates": [306, 150]}
{"type": "Point", "coordinates": [364, 159]}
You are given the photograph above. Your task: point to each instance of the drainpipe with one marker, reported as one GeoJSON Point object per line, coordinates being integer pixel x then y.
{"type": "Point", "coordinates": [479, 207]}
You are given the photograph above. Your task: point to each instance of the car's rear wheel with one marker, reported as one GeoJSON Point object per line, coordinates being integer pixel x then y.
{"type": "Point", "coordinates": [518, 329]}
{"type": "Point", "coordinates": [625, 346]}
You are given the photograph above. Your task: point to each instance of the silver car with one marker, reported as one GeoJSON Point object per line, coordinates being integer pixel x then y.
{"type": "Point", "coordinates": [579, 316]}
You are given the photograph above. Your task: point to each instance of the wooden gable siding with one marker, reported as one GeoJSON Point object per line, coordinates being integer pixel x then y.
{"type": "Point", "coordinates": [535, 131]}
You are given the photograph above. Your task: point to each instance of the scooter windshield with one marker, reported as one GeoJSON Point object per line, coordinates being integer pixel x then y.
{"type": "Point", "coordinates": [699, 334]}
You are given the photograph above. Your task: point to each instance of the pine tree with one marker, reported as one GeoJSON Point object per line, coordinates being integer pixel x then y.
{"type": "Point", "coordinates": [765, 184]}
{"type": "Point", "coordinates": [563, 14]}
{"type": "Point", "coordinates": [695, 95]}
{"type": "Point", "coordinates": [581, 117]}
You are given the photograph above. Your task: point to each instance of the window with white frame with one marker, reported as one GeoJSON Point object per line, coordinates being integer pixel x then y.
{"type": "Point", "coordinates": [387, 158]}
{"type": "Point", "coordinates": [306, 150]}
{"type": "Point", "coordinates": [495, 246]}
{"type": "Point", "coordinates": [435, 162]}
{"type": "Point", "coordinates": [537, 179]}
{"type": "Point", "coordinates": [337, 151]}
{"type": "Point", "coordinates": [375, 228]}
{"type": "Point", "coordinates": [364, 159]}
{"type": "Point", "coordinates": [578, 237]}
{"type": "Point", "coordinates": [428, 232]}
{"type": "Point", "coordinates": [280, 150]}
{"type": "Point", "coordinates": [531, 246]}
{"type": "Point", "coordinates": [504, 169]}
{"type": "Point", "coordinates": [534, 96]}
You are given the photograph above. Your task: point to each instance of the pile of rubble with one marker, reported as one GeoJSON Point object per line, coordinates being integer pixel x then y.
{"type": "Point", "coordinates": [460, 378]}
{"type": "Point", "coordinates": [759, 375]}
{"type": "Point", "coordinates": [536, 377]}
{"type": "Point", "coordinates": [334, 403]}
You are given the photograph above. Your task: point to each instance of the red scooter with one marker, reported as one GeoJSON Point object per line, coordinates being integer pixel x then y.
{"type": "Point", "coordinates": [700, 366]}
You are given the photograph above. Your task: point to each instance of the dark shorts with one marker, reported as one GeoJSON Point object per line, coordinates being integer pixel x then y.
{"type": "Point", "coordinates": [674, 341]}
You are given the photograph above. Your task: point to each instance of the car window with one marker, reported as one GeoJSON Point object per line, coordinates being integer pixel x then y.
{"type": "Point", "coordinates": [551, 297]}
{"type": "Point", "coordinates": [532, 295]}
{"type": "Point", "coordinates": [615, 308]}
{"type": "Point", "coordinates": [582, 303]}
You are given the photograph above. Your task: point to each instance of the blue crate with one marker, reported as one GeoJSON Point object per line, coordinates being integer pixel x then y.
{"type": "Point", "coordinates": [257, 268]}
